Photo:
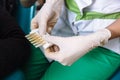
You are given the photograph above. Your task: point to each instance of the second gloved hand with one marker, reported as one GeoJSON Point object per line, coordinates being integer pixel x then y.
{"type": "Point", "coordinates": [72, 48]}
{"type": "Point", "coordinates": [47, 16]}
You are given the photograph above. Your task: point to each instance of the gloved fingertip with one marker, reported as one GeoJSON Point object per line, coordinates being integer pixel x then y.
{"type": "Point", "coordinates": [69, 64]}
{"type": "Point", "coordinates": [64, 64]}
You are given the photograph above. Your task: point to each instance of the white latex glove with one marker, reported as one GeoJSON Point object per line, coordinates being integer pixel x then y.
{"type": "Point", "coordinates": [47, 16]}
{"type": "Point", "coordinates": [72, 48]}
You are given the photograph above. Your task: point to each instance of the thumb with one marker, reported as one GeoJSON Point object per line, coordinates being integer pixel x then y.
{"type": "Point", "coordinates": [42, 28]}
{"type": "Point", "coordinates": [42, 23]}
{"type": "Point", "coordinates": [52, 39]}
{"type": "Point", "coordinates": [51, 55]}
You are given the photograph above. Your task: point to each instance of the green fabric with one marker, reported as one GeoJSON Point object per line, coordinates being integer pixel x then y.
{"type": "Point", "coordinates": [98, 64]}
{"type": "Point", "coordinates": [95, 15]}
{"type": "Point", "coordinates": [36, 65]}
{"type": "Point", "coordinates": [72, 6]}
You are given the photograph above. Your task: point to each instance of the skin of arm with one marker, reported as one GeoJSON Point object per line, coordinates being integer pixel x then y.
{"type": "Point", "coordinates": [114, 29]}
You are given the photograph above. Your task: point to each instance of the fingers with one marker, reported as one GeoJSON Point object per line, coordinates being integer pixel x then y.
{"type": "Point", "coordinates": [34, 24]}
{"type": "Point", "coordinates": [39, 24]}
{"type": "Point", "coordinates": [53, 48]}
{"type": "Point", "coordinates": [56, 48]}
{"type": "Point", "coordinates": [49, 29]}
{"type": "Point", "coordinates": [42, 27]}
{"type": "Point", "coordinates": [51, 54]}
{"type": "Point", "coordinates": [54, 53]}
{"type": "Point", "coordinates": [51, 24]}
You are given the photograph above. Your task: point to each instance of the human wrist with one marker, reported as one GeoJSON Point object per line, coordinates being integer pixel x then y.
{"type": "Point", "coordinates": [100, 37]}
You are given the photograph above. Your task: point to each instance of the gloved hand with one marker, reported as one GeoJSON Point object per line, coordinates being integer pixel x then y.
{"type": "Point", "coordinates": [47, 16]}
{"type": "Point", "coordinates": [72, 48]}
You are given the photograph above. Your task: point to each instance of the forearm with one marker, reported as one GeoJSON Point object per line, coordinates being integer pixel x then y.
{"type": "Point", "coordinates": [114, 29]}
